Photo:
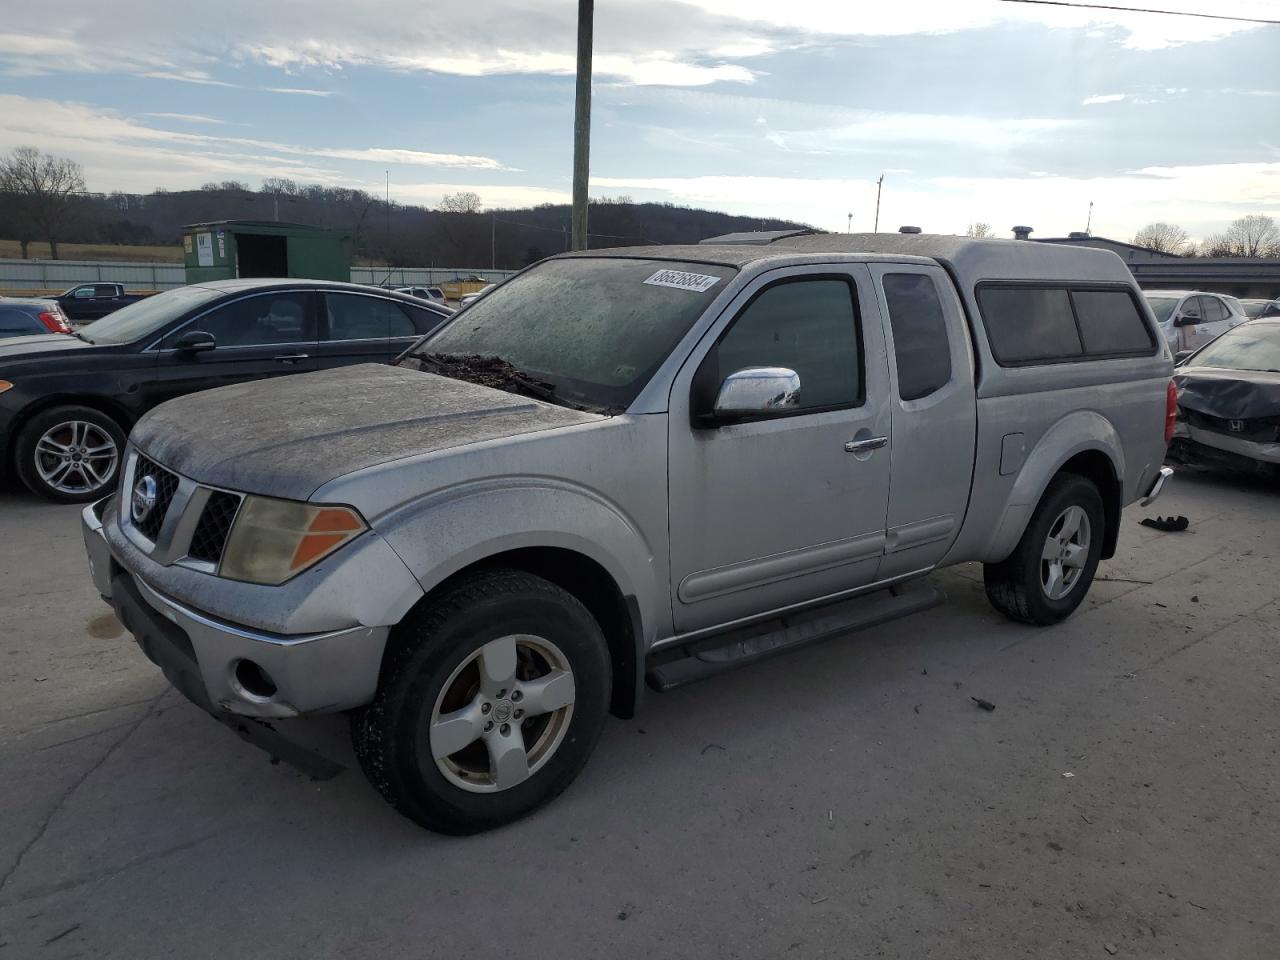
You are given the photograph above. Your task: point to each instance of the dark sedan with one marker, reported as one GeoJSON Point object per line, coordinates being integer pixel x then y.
{"type": "Point", "coordinates": [68, 402]}
{"type": "Point", "coordinates": [21, 317]}
{"type": "Point", "coordinates": [1229, 400]}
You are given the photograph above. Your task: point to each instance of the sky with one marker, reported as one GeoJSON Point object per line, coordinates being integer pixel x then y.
{"type": "Point", "coordinates": [973, 110]}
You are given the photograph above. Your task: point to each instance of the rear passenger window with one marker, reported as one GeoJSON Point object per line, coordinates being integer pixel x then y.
{"type": "Point", "coordinates": [1110, 323]}
{"type": "Point", "coordinates": [1214, 310]}
{"type": "Point", "coordinates": [1029, 324]}
{"type": "Point", "coordinates": [919, 334]}
{"type": "Point", "coordinates": [357, 317]}
{"type": "Point", "coordinates": [807, 326]}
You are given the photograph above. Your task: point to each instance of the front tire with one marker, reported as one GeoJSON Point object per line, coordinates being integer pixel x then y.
{"type": "Point", "coordinates": [70, 454]}
{"type": "Point", "coordinates": [489, 704]}
{"type": "Point", "coordinates": [1050, 570]}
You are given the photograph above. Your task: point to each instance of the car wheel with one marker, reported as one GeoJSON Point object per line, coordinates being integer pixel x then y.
{"type": "Point", "coordinates": [70, 454]}
{"type": "Point", "coordinates": [489, 704]}
{"type": "Point", "coordinates": [1049, 572]}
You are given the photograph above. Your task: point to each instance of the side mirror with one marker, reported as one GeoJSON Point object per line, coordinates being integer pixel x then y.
{"type": "Point", "coordinates": [1181, 355]}
{"type": "Point", "coordinates": [1185, 320]}
{"type": "Point", "coordinates": [195, 341]}
{"type": "Point", "coordinates": [757, 390]}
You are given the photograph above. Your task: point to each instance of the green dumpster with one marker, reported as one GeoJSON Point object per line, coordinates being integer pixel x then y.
{"type": "Point", "coordinates": [226, 249]}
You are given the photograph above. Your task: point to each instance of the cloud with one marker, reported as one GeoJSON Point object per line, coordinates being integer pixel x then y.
{"type": "Point", "coordinates": [1103, 98]}
{"type": "Point", "coordinates": [113, 148]}
{"type": "Point", "coordinates": [188, 118]}
{"type": "Point", "coordinates": [654, 42]}
{"type": "Point", "coordinates": [1200, 198]}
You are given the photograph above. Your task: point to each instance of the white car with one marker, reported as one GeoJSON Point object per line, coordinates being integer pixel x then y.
{"type": "Point", "coordinates": [434, 294]}
{"type": "Point", "coordinates": [1190, 318]}
{"type": "Point", "coordinates": [470, 297]}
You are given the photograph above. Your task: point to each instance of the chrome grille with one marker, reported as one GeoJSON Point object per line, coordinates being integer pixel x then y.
{"type": "Point", "coordinates": [166, 486]}
{"type": "Point", "coordinates": [211, 532]}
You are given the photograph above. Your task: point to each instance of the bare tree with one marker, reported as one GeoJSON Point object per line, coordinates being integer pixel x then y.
{"type": "Point", "coordinates": [465, 201]}
{"type": "Point", "coordinates": [1256, 235]}
{"type": "Point", "coordinates": [281, 185]}
{"type": "Point", "coordinates": [42, 189]}
{"type": "Point", "coordinates": [1161, 237]}
{"type": "Point", "coordinates": [980, 230]}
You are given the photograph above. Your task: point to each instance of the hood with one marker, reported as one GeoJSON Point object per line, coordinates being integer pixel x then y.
{"type": "Point", "coordinates": [287, 437]}
{"type": "Point", "coordinates": [1228, 394]}
{"type": "Point", "coordinates": [16, 349]}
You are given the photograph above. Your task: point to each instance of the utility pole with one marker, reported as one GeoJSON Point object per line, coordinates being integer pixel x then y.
{"type": "Point", "coordinates": [388, 221]}
{"type": "Point", "coordinates": [275, 197]}
{"type": "Point", "coordinates": [850, 227]}
{"type": "Point", "coordinates": [879, 186]}
{"type": "Point", "coordinates": [1088, 227]}
{"type": "Point", "coordinates": [582, 124]}
{"type": "Point", "coordinates": [493, 242]}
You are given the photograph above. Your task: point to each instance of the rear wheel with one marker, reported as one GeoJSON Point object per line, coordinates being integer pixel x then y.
{"type": "Point", "coordinates": [70, 454]}
{"type": "Point", "coordinates": [1049, 572]}
{"type": "Point", "coordinates": [489, 704]}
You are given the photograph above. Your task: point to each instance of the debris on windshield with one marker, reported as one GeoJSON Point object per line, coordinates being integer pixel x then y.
{"type": "Point", "coordinates": [486, 371]}
{"type": "Point", "coordinates": [497, 373]}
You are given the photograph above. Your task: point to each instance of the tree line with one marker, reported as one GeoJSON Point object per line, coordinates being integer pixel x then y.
{"type": "Point", "coordinates": [43, 198]}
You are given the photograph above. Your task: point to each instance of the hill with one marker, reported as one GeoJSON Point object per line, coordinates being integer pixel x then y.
{"type": "Point", "coordinates": [149, 226]}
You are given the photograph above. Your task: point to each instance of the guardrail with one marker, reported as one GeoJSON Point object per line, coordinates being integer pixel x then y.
{"type": "Point", "coordinates": [54, 276]}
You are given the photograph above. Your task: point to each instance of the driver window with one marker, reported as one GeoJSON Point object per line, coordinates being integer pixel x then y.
{"type": "Point", "coordinates": [809, 326]}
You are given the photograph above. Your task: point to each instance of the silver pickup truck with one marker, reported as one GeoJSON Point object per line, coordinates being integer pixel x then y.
{"type": "Point", "coordinates": [632, 464]}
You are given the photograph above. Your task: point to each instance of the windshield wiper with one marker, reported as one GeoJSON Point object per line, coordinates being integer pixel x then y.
{"type": "Point", "coordinates": [492, 371]}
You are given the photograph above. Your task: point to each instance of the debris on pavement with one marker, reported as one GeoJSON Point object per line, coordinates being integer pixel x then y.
{"type": "Point", "coordinates": [1195, 599]}
{"type": "Point", "coordinates": [1167, 524]}
{"type": "Point", "coordinates": [713, 746]}
{"type": "Point", "coordinates": [1111, 948]}
{"type": "Point", "coordinates": [1124, 580]}
{"type": "Point", "coordinates": [1068, 774]}
{"type": "Point", "coordinates": [1085, 819]}
{"type": "Point", "coordinates": [984, 704]}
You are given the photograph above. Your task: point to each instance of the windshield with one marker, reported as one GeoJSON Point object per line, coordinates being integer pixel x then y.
{"type": "Point", "coordinates": [148, 315]}
{"type": "Point", "coordinates": [594, 329]}
{"type": "Point", "coordinates": [1250, 346]}
{"type": "Point", "coordinates": [1162, 307]}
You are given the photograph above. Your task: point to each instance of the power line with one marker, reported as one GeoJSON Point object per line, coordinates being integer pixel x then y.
{"type": "Point", "coordinates": [1172, 13]}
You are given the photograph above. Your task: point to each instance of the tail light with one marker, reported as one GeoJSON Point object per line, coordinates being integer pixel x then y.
{"type": "Point", "coordinates": [1170, 411]}
{"type": "Point", "coordinates": [54, 322]}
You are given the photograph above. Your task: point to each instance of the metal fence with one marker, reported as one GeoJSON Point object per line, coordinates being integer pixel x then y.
{"type": "Point", "coordinates": [422, 276]}
{"type": "Point", "coordinates": [57, 275]}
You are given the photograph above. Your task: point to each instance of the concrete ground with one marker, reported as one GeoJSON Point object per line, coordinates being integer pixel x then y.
{"type": "Point", "coordinates": [849, 800]}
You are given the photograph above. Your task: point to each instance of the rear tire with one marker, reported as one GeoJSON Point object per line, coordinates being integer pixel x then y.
{"type": "Point", "coordinates": [70, 454]}
{"type": "Point", "coordinates": [489, 704]}
{"type": "Point", "coordinates": [1050, 570]}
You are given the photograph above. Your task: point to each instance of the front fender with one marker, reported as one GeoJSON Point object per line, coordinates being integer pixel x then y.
{"type": "Point", "coordinates": [1078, 432]}
{"type": "Point", "coordinates": [456, 527]}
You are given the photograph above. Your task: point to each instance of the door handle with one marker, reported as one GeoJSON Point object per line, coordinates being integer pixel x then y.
{"type": "Point", "coordinates": [872, 443]}
{"type": "Point", "coordinates": [292, 357]}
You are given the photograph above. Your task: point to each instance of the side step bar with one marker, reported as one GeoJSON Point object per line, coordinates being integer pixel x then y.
{"type": "Point", "coordinates": [737, 648]}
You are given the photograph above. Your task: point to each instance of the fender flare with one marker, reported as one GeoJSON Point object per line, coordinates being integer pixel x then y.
{"type": "Point", "coordinates": [1083, 431]}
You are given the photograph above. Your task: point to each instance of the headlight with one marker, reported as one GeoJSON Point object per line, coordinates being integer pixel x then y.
{"type": "Point", "coordinates": [273, 540]}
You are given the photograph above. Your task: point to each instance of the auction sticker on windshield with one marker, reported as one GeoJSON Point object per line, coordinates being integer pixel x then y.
{"type": "Point", "coordinates": [697, 282]}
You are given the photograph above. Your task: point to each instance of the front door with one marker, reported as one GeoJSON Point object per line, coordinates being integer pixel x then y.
{"type": "Point", "coordinates": [259, 336]}
{"type": "Point", "coordinates": [774, 512]}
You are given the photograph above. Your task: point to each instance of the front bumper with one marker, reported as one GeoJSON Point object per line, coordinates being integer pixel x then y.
{"type": "Point", "coordinates": [1223, 449]}
{"type": "Point", "coordinates": [204, 657]}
